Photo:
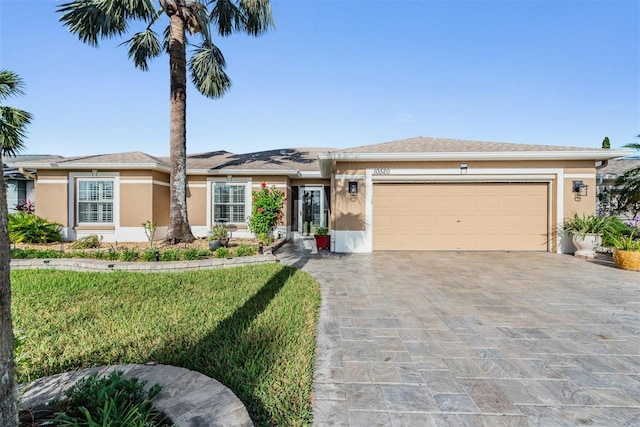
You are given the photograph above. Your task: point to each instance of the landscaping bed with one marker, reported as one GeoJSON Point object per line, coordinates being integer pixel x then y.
{"type": "Point", "coordinates": [138, 251]}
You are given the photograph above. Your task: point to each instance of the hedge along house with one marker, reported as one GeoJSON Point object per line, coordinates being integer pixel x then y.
{"type": "Point", "coordinates": [413, 194]}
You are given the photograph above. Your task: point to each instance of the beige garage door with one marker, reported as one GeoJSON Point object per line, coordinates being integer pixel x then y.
{"type": "Point", "coordinates": [474, 216]}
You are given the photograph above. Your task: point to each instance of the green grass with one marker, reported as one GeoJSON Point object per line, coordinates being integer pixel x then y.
{"type": "Point", "coordinates": [252, 328]}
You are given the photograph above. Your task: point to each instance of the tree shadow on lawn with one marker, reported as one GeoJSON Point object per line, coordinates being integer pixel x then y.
{"type": "Point", "coordinates": [239, 353]}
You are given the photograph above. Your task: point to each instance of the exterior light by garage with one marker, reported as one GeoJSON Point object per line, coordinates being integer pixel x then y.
{"type": "Point", "coordinates": [580, 188]}
{"type": "Point", "coordinates": [463, 168]}
{"type": "Point", "coordinates": [353, 188]}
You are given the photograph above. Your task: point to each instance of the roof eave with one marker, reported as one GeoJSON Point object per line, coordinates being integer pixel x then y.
{"type": "Point", "coordinates": [270, 172]}
{"type": "Point", "coordinates": [467, 156]}
{"type": "Point", "coordinates": [101, 166]}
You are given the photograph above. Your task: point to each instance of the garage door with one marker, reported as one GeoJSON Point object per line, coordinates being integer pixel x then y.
{"type": "Point", "coordinates": [472, 216]}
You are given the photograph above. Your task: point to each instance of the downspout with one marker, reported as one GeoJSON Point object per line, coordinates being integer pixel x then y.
{"type": "Point", "coordinates": [603, 164]}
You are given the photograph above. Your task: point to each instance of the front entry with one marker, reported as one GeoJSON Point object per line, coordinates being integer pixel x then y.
{"type": "Point", "coordinates": [312, 209]}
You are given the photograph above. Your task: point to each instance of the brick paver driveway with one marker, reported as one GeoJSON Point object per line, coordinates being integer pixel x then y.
{"type": "Point", "coordinates": [454, 338]}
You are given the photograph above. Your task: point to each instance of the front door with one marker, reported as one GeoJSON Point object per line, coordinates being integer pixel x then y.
{"type": "Point", "coordinates": [310, 209]}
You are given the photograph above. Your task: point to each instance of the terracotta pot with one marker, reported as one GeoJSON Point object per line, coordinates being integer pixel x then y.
{"type": "Point", "coordinates": [586, 245]}
{"type": "Point", "coordinates": [626, 260]}
{"type": "Point", "coordinates": [323, 242]}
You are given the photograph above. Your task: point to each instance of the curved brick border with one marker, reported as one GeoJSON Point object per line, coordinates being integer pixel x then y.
{"type": "Point", "coordinates": [189, 398]}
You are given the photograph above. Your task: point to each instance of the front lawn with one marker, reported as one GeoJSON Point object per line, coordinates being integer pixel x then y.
{"type": "Point", "coordinates": [252, 328]}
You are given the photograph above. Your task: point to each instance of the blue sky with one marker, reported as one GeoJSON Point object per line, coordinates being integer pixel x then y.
{"type": "Point", "coordinates": [346, 73]}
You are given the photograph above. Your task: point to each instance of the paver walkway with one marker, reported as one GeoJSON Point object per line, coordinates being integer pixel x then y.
{"type": "Point", "coordinates": [463, 338]}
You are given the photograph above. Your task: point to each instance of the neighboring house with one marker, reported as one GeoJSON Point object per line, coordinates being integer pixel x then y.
{"type": "Point", "coordinates": [19, 181]}
{"type": "Point", "coordinates": [606, 178]}
{"type": "Point", "coordinates": [413, 194]}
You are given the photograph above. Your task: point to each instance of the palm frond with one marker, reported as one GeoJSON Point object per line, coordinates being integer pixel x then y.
{"type": "Point", "coordinates": [635, 146]}
{"type": "Point", "coordinates": [258, 16]}
{"type": "Point", "coordinates": [142, 47]}
{"type": "Point", "coordinates": [628, 191]}
{"type": "Point", "coordinates": [207, 71]}
{"type": "Point", "coordinates": [13, 125]}
{"type": "Point", "coordinates": [10, 84]}
{"type": "Point", "coordinates": [227, 17]}
{"type": "Point", "coordinates": [92, 20]}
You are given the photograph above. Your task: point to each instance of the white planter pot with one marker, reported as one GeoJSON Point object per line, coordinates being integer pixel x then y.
{"type": "Point", "coordinates": [586, 245]}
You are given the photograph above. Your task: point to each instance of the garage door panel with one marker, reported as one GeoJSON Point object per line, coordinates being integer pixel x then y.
{"type": "Point", "coordinates": [500, 216]}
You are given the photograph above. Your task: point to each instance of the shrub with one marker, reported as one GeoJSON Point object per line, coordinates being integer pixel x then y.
{"type": "Point", "coordinates": [170, 255]}
{"type": "Point", "coordinates": [218, 232]}
{"type": "Point", "coordinates": [193, 253]}
{"type": "Point", "coordinates": [128, 255]}
{"type": "Point", "coordinates": [246, 250]}
{"type": "Point", "coordinates": [109, 401]}
{"type": "Point", "coordinates": [27, 207]}
{"type": "Point", "coordinates": [30, 228]}
{"type": "Point", "coordinates": [29, 253]}
{"type": "Point", "coordinates": [148, 256]}
{"type": "Point", "coordinates": [267, 210]}
{"type": "Point", "coordinates": [87, 242]}
{"type": "Point", "coordinates": [223, 252]}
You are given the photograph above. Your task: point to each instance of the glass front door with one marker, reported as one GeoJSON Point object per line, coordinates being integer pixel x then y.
{"type": "Point", "coordinates": [310, 209]}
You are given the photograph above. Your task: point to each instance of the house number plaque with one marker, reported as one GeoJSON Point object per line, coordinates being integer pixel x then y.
{"type": "Point", "coordinates": [381, 171]}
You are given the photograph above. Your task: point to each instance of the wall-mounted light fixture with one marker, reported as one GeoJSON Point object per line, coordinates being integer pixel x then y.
{"type": "Point", "coordinates": [463, 168]}
{"type": "Point", "coordinates": [353, 188]}
{"type": "Point", "coordinates": [580, 188]}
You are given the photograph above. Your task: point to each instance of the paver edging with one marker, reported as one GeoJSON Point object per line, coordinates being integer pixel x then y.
{"type": "Point", "coordinates": [188, 398]}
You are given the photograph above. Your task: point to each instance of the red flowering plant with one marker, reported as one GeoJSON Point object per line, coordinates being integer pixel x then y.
{"type": "Point", "coordinates": [267, 210]}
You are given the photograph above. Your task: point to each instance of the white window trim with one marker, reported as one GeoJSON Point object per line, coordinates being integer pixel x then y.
{"type": "Point", "coordinates": [74, 178]}
{"type": "Point", "coordinates": [248, 205]}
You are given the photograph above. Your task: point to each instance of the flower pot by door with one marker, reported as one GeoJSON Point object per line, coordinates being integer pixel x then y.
{"type": "Point", "coordinates": [626, 260]}
{"type": "Point", "coordinates": [586, 245]}
{"type": "Point", "coordinates": [323, 242]}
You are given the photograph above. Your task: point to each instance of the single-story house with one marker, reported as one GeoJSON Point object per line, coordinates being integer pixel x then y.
{"type": "Point", "coordinates": [413, 194]}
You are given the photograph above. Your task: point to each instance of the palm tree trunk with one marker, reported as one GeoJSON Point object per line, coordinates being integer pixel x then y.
{"type": "Point", "coordinates": [179, 230]}
{"type": "Point", "coordinates": [8, 405]}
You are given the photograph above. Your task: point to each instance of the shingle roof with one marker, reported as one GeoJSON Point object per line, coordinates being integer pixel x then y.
{"type": "Point", "coordinates": [301, 159]}
{"type": "Point", "coordinates": [616, 167]}
{"type": "Point", "coordinates": [132, 157]}
{"type": "Point", "coordinates": [422, 144]}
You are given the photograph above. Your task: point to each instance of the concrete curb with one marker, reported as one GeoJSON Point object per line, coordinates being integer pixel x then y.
{"type": "Point", "coordinates": [189, 398]}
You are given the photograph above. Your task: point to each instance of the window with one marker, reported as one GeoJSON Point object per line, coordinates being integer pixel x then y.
{"type": "Point", "coordinates": [229, 202]}
{"type": "Point", "coordinates": [95, 201]}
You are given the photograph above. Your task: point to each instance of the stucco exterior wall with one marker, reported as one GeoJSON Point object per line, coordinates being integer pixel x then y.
{"type": "Point", "coordinates": [52, 198]}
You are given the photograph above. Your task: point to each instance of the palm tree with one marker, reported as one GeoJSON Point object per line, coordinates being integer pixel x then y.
{"type": "Point", "coordinates": [91, 20]}
{"type": "Point", "coordinates": [628, 189]}
{"type": "Point", "coordinates": [13, 123]}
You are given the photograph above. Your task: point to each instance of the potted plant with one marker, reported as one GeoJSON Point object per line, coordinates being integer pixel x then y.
{"type": "Point", "coordinates": [323, 239]}
{"type": "Point", "coordinates": [626, 251]}
{"type": "Point", "coordinates": [587, 231]}
{"type": "Point", "coordinates": [218, 236]}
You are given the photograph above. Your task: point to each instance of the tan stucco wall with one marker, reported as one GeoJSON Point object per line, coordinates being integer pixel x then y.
{"type": "Point", "coordinates": [197, 200]}
{"type": "Point", "coordinates": [348, 213]}
{"type": "Point", "coordinates": [52, 200]}
{"type": "Point", "coordinates": [579, 204]}
{"type": "Point", "coordinates": [136, 204]}
{"type": "Point", "coordinates": [161, 205]}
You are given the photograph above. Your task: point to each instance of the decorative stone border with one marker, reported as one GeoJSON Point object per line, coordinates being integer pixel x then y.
{"type": "Point", "coordinates": [86, 264]}
{"type": "Point", "coordinates": [189, 398]}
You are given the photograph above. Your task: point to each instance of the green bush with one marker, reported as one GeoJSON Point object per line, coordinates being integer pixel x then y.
{"type": "Point", "coordinates": [129, 255]}
{"type": "Point", "coordinates": [87, 242]}
{"type": "Point", "coordinates": [193, 254]}
{"type": "Point", "coordinates": [148, 256]}
{"type": "Point", "coordinates": [169, 255]}
{"type": "Point", "coordinates": [109, 401]}
{"type": "Point", "coordinates": [267, 210]}
{"type": "Point", "coordinates": [245, 250]}
{"type": "Point", "coordinates": [222, 252]}
{"type": "Point", "coordinates": [29, 228]}
{"type": "Point", "coordinates": [29, 253]}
